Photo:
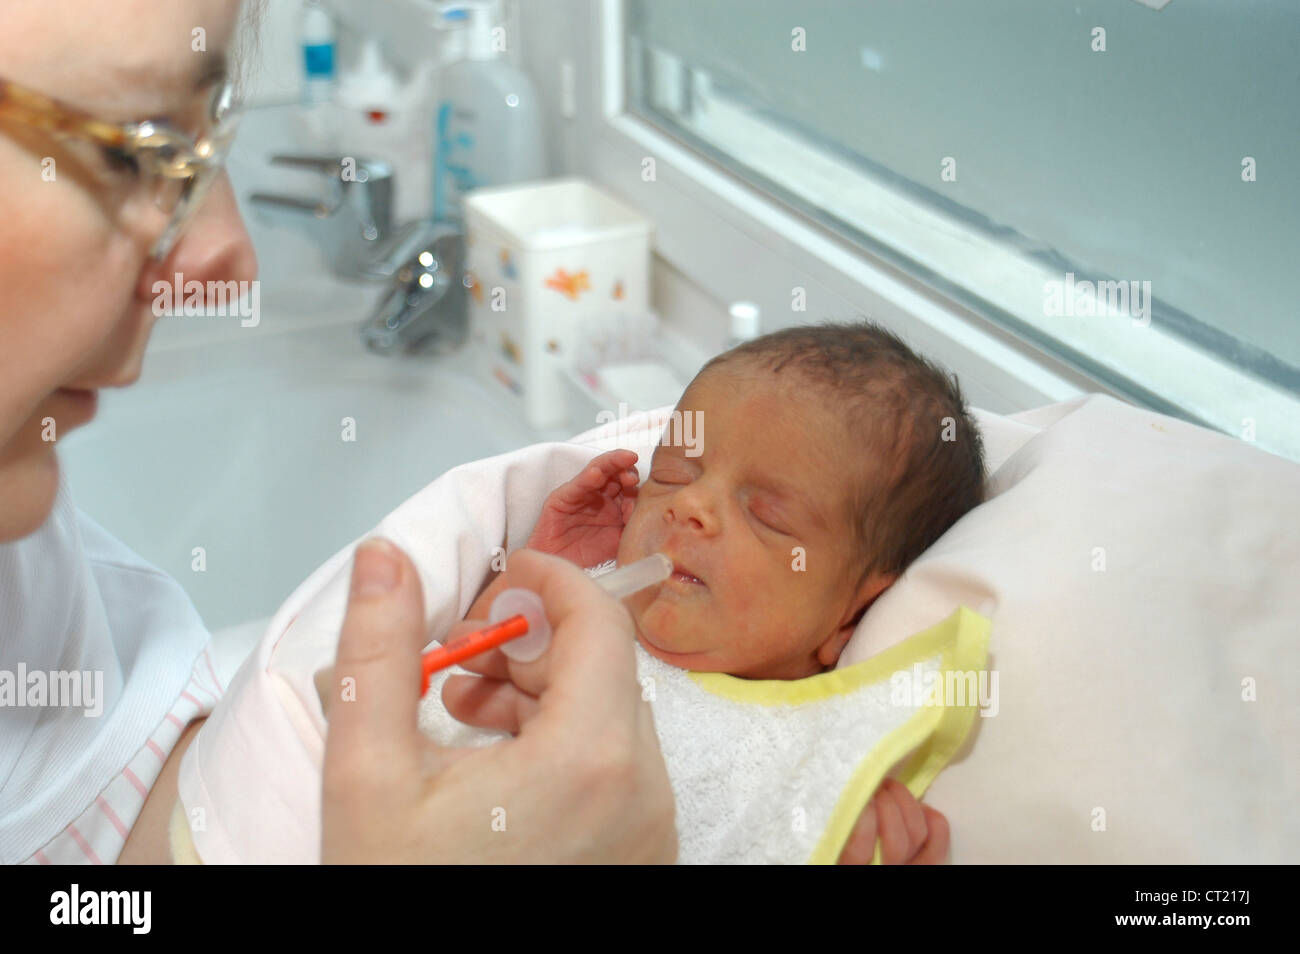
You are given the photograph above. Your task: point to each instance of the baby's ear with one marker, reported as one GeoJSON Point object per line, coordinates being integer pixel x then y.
{"type": "Point", "coordinates": [828, 653]}
{"type": "Point", "coordinates": [870, 589]}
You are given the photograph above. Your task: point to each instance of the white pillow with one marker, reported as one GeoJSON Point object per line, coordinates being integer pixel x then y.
{"type": "Point", "coordinates": [1141, 575]}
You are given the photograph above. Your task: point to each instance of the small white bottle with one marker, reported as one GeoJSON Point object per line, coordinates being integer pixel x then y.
{"type": "Point", "coordinates": [317, 37]}
{"type": "Point", "coordinates": [745, 324]}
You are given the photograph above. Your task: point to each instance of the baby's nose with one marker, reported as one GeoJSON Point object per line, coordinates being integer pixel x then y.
{"type": "Point", "coordinates": [694, 522]}
{"type": "Point", "coordinates": [695, 512]}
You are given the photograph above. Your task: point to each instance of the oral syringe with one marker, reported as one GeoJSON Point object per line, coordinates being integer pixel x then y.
{"type": "Point", "coordinates": [519, 624]}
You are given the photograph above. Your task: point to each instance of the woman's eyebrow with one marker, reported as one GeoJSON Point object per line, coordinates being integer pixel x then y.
{"type": "Point", "coordinates": [211, 68]}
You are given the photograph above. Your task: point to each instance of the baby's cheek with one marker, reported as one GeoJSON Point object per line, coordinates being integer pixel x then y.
{"type": "Point", "coordinates": [731, 617]}
{"type": "Point", "coordinates": [638, 539]}
{"type": "Point", "coordinates": [663, 618]}
{"type": "Point", "coordinates": [627, 546]}
{"type": "Point", "coordinates": [628, 540]}
{"type": "Point", "coordinates": [749, 584]}
{"type": "Point", "coordinates": [661, 623]}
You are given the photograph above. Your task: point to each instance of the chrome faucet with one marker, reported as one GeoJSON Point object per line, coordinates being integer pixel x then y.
{"type": "Point", "coordinates": [427, 307]}
{"type": "Point", "coordinates": [352, 220]}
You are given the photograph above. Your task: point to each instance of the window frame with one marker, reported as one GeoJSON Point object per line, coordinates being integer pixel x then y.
{"type": "Point", "coordinates": [758, 248]}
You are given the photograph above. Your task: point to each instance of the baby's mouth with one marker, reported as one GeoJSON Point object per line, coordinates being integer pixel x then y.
{"type": "Point", "coordinates": [684, 575]}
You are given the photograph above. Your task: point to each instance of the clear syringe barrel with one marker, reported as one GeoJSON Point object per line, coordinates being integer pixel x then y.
{"type": "Point", "coordinates": [629, 579]}
{"type": "Point", "coordinates": [619, 583]}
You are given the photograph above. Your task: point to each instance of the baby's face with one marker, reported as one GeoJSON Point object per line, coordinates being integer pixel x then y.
{"type": "Point", "coordinates": [757, 526]}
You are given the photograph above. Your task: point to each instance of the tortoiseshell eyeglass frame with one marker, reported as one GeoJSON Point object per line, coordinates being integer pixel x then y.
{"type": "Point", "coordinates": [180, 167]}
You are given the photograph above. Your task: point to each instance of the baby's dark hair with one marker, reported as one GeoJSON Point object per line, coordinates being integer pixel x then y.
{"type": "Point", "coordinates": [924, 458]}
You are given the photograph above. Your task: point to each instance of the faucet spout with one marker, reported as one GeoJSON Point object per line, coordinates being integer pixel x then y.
{"type": "Point", "coordinates": [427, 305]}
{"type": "Point", "coordinates": [350, 216]}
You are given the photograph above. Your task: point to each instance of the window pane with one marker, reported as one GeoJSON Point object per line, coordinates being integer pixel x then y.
{"type": "Point", "coordinates": [1128, 163]}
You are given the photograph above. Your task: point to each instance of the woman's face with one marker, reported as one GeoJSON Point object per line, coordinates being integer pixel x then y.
{"type": "Point", "coordinates": [75, 272]}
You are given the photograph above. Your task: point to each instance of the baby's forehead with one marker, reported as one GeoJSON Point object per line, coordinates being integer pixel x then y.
{"type": "Point", "coordinates": [808, 418]}
{"type": "Point", "coordinates": [799, 433]}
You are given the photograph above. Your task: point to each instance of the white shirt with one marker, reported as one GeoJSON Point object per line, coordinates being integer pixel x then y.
{"type": "Point", "coordinates": [124, 638]}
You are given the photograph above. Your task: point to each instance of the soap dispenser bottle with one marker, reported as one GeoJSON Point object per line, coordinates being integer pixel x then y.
{"type": "Point", "coordinates": [488, 124]}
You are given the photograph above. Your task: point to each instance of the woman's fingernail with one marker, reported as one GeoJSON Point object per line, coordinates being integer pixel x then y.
{"type": "Point", "coordinates": [374, 568]}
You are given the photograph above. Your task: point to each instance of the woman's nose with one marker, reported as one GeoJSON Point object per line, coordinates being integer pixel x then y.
{"type": "Point", "coordinates": [215, 246]}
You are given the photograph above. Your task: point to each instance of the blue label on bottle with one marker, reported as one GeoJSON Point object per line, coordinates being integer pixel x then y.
{"type": "Point", "coordinates": [450, 172]}
{"type": "Point", "coordinates": [319, 59]}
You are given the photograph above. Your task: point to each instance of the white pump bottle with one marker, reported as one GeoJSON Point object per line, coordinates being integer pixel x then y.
{"type": "Point", "coordinates": [488, 124]}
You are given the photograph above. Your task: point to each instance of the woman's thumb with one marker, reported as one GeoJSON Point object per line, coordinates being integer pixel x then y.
{"type": "Point", "coordinates": [375, 686]}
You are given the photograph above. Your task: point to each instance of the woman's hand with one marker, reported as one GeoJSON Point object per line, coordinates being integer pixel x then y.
{"type": "Point", "coordinates": [582, 520]}
{"type": "Point", "coordinates": [584, 781]}
{"type": "Point", "coordinates": [910, 833]}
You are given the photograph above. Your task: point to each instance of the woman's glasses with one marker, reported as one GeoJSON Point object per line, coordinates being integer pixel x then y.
{"type": "Point", "coordinates": [179, 169]}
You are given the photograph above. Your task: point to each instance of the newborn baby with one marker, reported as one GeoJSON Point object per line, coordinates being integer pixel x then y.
{"type": "Point", "coordinates": [824, 460]}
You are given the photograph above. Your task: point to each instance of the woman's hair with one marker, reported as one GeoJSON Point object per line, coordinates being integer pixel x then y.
{"type": "Point", "coordinates": [244, 58]}
{"type": "Point", "coordinates": [923, 457]}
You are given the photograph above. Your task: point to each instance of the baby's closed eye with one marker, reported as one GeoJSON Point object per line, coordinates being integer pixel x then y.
{"type": "Point", "coordinates": [771, 522]}
{"type": "Point", "coordinates": [669, 477]}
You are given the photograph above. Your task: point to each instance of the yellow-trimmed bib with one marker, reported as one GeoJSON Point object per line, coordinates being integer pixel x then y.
{"type": "Point", "coordinates": [778, 770]}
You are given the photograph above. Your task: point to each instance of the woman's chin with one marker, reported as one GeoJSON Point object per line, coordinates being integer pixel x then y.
{"type": "Point", "coordinates": [28, 486]}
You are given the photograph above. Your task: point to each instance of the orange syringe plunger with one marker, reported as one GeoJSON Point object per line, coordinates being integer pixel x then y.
{"type": "Point", "coordinates": [471, 644]}
{"type": "Point", "coordinates": [519, 623]}
{"type": "Point", "coordinates": [517, 618]}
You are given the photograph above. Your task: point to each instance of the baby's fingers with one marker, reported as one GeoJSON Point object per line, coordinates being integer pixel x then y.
{"type": "Point", "coordinates": [610, 466]}
{"type": "Point", "coordinates": [902, 823]}
{"type": "Point", "coordinates": [615, 460]}
{"type": "Point", "coordinates": [610, 474]}
{"type": "Point", "coordinates": [894, 840]}
{"type": "Point", "coordinates": [861, 845]}
{"type": "Point", "coordinates": [627, 479]}
{"type": "Point", "coordinates": [935, 849]}
{"type": "Point", "coordinates": [909, 832]}
{"type": "Point", "coordinates": [910, 810]}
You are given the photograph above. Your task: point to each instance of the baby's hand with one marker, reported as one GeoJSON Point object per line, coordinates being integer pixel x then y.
{"type": "Point", "coordinates": [910, 833]}
{"type": "Point", "coordinates": [583, 519]}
